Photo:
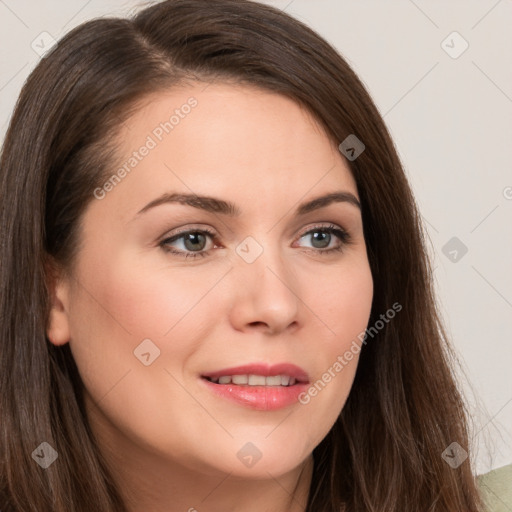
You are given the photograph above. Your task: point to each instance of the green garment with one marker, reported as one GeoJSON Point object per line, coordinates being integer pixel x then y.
{"type": "Point", "coordinates": [496, 489]}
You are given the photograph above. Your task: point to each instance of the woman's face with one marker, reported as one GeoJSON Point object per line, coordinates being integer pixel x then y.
{"type": "Point", "coordinates": [263, 287]}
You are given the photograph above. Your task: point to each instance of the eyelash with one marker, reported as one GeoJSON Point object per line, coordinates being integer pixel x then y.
{"type": "Point", "coordinates": [342, 235]}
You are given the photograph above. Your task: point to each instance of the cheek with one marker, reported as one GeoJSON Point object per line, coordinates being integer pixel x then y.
{"type": "Point", "coordinates": [344, 303]}
{"type": "Point", "coordinates": [114, 307]}
{"type": "Point", "coordinates": [118, 306]}
{"type": "Point", "coordinates": [149, 300]}
{"type": "Point", "coordinates": [124, 302]}
{"type": "Point", "coordinates": [345, 308]}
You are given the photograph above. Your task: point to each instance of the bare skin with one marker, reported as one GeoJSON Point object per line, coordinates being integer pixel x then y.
{"type": "Point", "coordinates": [172, 444]}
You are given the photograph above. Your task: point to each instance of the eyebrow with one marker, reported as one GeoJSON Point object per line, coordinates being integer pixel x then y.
{"type": "Point", "coordinates": [214, 205]}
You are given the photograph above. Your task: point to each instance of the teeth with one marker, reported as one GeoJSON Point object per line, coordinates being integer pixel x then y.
{"type": "Point", "coordinates": [255, 380]}
{"type": "Point", "coordinates": [273, 381]}
{"type": "Point", "coordinates": [240, 379]}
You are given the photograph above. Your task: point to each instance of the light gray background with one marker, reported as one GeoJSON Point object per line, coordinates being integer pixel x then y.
{"type": "Point", "coordinates": [451, 122]}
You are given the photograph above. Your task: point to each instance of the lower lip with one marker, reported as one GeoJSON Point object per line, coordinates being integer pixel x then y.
{"type": "Point", "coordinates": [261, 398]}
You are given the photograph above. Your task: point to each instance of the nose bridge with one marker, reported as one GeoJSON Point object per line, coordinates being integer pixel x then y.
{"type": "Point", "coordinates": [267, 290]}
{"type": "Point", "coordinates": [262, 260]}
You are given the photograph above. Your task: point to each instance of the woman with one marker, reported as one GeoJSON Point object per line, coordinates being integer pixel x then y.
{"type": "Point", "coordinates": [216, 294]}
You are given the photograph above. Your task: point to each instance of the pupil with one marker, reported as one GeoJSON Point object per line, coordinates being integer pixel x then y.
{"type": "Point", "coordinates": [322, 238]}
{"type": "Point", "coordinates": [194, 238]}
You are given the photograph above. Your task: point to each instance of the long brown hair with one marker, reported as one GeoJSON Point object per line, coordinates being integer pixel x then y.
{"type": "Point", "coordinates": [404, 409]}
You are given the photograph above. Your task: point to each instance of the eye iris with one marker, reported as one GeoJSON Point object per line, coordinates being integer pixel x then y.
{"type": "Point", "coordinates": [323, 237]}
{"type": "Point", "coordinates": [194, 238]}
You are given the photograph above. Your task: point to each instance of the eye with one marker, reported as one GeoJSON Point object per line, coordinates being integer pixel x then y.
{"type": "Point", "coordinates": [192, 240]}
{"type": "Point", "coordinates": [323, 236]}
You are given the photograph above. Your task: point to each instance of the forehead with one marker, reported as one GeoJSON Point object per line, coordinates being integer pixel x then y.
{"type": "Point", "coordinates": [224, 139]}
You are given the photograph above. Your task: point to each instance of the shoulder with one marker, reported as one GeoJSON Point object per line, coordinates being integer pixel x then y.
{"type": "Point", "coordinates": [496, 489]}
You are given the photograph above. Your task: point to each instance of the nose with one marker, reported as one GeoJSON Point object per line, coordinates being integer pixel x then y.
{"type": "Point", "coordinates": [265, 296]}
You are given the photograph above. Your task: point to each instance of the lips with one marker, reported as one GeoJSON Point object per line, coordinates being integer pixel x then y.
{"type": "Point", "coordinates": [258, 386]}
{"type": "Point", "coordinates": [259, 369]}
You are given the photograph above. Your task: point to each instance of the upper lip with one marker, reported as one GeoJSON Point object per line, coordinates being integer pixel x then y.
{"type": "Point", "coordinates": [266, 370]}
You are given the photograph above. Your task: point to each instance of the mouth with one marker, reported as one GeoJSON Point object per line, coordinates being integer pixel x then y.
{"type": "Point", "coordinates": [259, 386]}
{"type": "Point", "coordinates": [254, 380]}
{"type": "Point", "coordinates": [259, 374]}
